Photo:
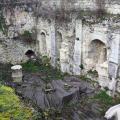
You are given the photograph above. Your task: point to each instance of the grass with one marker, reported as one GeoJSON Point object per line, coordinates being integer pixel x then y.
{"type": "Point", "coordinates": [45, 70]}
{"type": "Point", "coordinates": [105, 100]}
{"type": "Point", "coordinates": [10, 106]}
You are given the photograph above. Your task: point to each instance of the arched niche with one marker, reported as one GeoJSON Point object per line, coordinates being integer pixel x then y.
{"type": "Point", "coordinates": [30, 53]}
{"type": "Point", "coordinates": [97, 52]}
{"type": "Point", "coordinates": [43, 43]}
{"type": "Point", "coordinates": [58, 44]}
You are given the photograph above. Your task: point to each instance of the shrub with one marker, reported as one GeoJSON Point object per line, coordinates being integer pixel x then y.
{"type": "Point", "coordinates": [45, 60]}
{"type": "Point", "coordinates": [81, 66]}
{"type": "Point", "coordinates": [11, 107]}
{"type": "Point", "coordinates": [30, 66]}
{"type": "Point", "coordinates": [93, 72]}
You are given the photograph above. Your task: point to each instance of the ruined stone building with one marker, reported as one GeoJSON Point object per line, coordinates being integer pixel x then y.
{"type": "Point", "coordinates": [77, 35]}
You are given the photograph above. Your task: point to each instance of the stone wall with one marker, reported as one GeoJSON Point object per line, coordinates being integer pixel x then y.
{"type": "Point", "coordinates": [13, 46]}
{"type": "Point", "coordinates": [112, 6]}
{"type": "Point", "coordinates": [71, 33]}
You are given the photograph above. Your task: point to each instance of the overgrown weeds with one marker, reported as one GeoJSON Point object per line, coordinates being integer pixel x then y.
{"type": "Point", "coordinates": [105, 100]}
{"type": "Point", "coordinates": [44, 69]}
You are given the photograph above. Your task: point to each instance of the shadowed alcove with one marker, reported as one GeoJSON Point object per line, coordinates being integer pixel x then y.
{"type": "Point", "coordinates": [58, 44]}
{"type": "Point", "coordinates": [43, 43]}
{"type": "Point", "coordinates": [97, 52]}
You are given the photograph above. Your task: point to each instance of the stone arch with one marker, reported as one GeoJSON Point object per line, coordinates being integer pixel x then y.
{"type": "Point", "coordinates": [30, 53]}
{"type": "Point", "coordinates": [43, 43]}
{"type": "Point", "coordinates": [97, 52]}
{"type": "Point", "coordinates": [58, 44]}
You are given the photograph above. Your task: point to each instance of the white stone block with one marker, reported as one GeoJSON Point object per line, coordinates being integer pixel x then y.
{"type": "Point", "coordinates": [17, 73]}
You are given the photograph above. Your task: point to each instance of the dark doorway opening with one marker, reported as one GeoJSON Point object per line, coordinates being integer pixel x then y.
{"type": "Point", "coordinates": [30, 54]}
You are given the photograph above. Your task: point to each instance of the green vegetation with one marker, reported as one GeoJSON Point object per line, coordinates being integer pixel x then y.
{"type": "Point", "coordinates": [30, 66]}
{"type": "Point", "coordinates": [27, 34]}
{"type": "Point", "coordinates": [93, 73]}
{"type": "Point", "coordinates": [84, 77]}
{"type": "Point", "coordinates": [45, 61]}
{"type": "Point", "coordinates": [10, 106]}
{"type": "Point", "coordinates": [43, 69]}
{"type": "Point", "coordinates": [105, 100]}
{"type": "Point", "coordinates": [48, 114]}
{"type": "Point", "coordinates": [81, 66]}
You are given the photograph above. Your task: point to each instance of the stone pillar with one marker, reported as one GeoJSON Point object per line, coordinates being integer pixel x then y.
{"type": "Point", "coordinates": [114, 62]}
{"type": "Point", "coordinates": [102, 70]}
{"type": "Point", "coordinates": [113, 71]}
{"type": "Point", "coordinates": [115, 47]}
{"type": "Point", "coordinates": [112, 87]}
{"type": "Point", "coordinates": [64, 57]}
{"type": "Point", "coordinates": [77, 48]}
{"type": "Point", "coordinates": [17, 73]}
{"type": "Point", "coordinates": [53, 46]}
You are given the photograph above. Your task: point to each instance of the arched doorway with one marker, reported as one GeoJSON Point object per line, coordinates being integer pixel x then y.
{"type": "Point", "coordinates": [43, 43]}
{"type": "Point", "coordinates": [30, 54]}
{"type": "Point", "coordinates": [58, 44]}
{"type": "Point", "coordinates": [97, 52]}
